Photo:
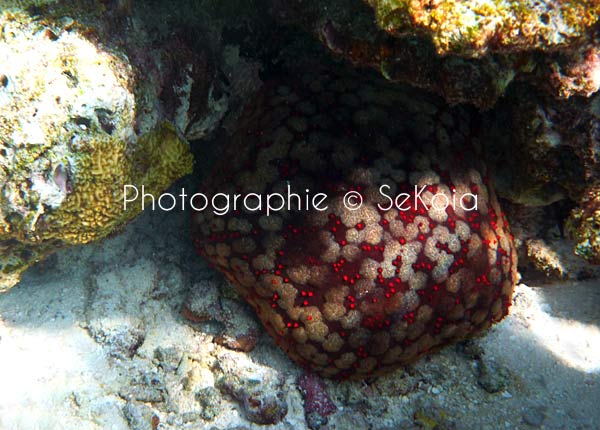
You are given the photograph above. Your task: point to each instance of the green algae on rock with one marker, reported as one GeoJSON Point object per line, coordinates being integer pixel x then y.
{"type": "Point", "coordinates": [76, 125]}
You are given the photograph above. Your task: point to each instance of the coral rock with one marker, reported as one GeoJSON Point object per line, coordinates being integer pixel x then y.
{"type": "Point", "coordinates": [317, 403]}
{"type": "Point", "coordinates": [354, 293]}
{"type": "Point", "coordinates": [240, 330]}
{"type": "Point", "coordinates": [556, 141]}
{"type": "Point", "coordinates": [465, 51]}
{"type": "Point", "coordinates": [584, 225]}
{"type": "Point", "coordinates": [77, 124]}
{"type": "Point", "coordinates": [257, 389]}
{"type": "Point", "coordinates": [472, 28]}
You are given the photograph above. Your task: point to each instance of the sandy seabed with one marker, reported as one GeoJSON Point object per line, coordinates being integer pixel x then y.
{"type": "Point", "coordinates": [94, 338]}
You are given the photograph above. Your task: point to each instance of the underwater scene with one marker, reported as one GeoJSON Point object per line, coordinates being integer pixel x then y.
{"type": "Point", "coordinates": [299, 214]}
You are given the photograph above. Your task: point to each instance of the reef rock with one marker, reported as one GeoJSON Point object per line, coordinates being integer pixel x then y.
{"type": "Point", "coordinates": [87, 105]}
{"type": "Point", "coordinates": [465, 51]}
{"type": "Point", "coordinates": [557, 144]}
{"type": "Point", "coordinates": [352, 290]}
{"type": "Point", "coordinates": [556, 141]}
{"type": "Point", "coordinates": [584, 225]}
{"type": "Point", "coordinates": [474, 28]}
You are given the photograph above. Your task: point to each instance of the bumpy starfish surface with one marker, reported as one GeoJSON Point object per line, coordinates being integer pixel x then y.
{"type": "Point", "coordinates": [353, 292]}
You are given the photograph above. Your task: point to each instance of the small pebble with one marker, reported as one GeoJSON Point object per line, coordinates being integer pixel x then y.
{"type": "Point", "coordinates": [535, 416]}
{"type": "Point", "coordinates": [210, 401]}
